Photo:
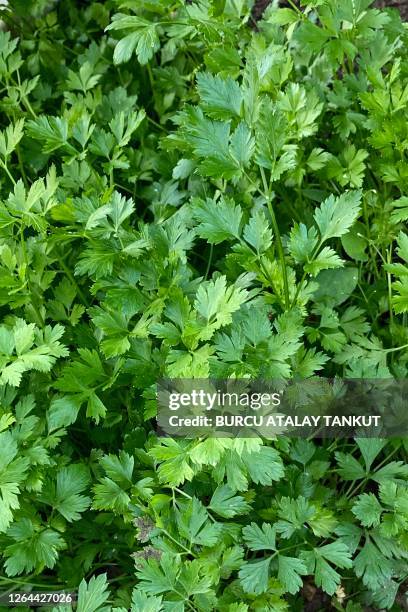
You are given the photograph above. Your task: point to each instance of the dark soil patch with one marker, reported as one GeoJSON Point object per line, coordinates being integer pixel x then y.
{"type": "Point", "coordinates": [314, 599]}
{"type": "Point", "coordinates": [402, 597]}
{"type": "Point", "coordinates": [402, 5]}
{"type": "Point", "coordinates": [258, 9]}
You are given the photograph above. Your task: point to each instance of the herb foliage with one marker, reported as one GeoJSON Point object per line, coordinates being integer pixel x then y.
{"type": "Point", "coordinates": [183, 194]}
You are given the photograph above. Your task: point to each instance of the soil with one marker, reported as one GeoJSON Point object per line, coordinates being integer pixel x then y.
{"type": "Point", "coordinates": [401, 5]}
{"type": "Point", "coordinates": [258, 9]}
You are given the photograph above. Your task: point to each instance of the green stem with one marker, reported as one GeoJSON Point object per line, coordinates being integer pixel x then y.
{"type": "Point", "coordinates": [25, 100]}
{"type": "Point", "coordinates": [29, 107]}
{"type": "Point", "coordinates": [396, 348]}
{"type": "Point", "coordinates": [285, 549]}
{"type": "Point", "coordinates": [3, 163]}
{"type": "Point", "coordinates": [181, 492]}
{"type": "Point", "coordinates": [21, 166]}
{"type": "Point", "coordinates": [275, 226]}
{"type": "Point", "coordinates": [209, 262]}
{"type": "Point", "coordinates": [297, 10]}
{"type": "Point", "coordinates": [388, 457]}
{"type": "Point", "coordinates": [56, 587]}
{"type": "Point", "coordinates": [156, 124]}
{"type": "Point", "coordinates": [352, 491]}
{"type": "Point", "coordinates": [389, 284]}
{"type": "Point", "coordinates": [166, 533]}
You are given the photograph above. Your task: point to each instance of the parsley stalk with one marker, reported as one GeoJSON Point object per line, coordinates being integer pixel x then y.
{"type": "Point", "coordinates": [267, 194]}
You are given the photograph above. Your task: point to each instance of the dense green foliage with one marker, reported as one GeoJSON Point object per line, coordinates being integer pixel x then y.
{"type": "Point", "coordinates": [184, 193]}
